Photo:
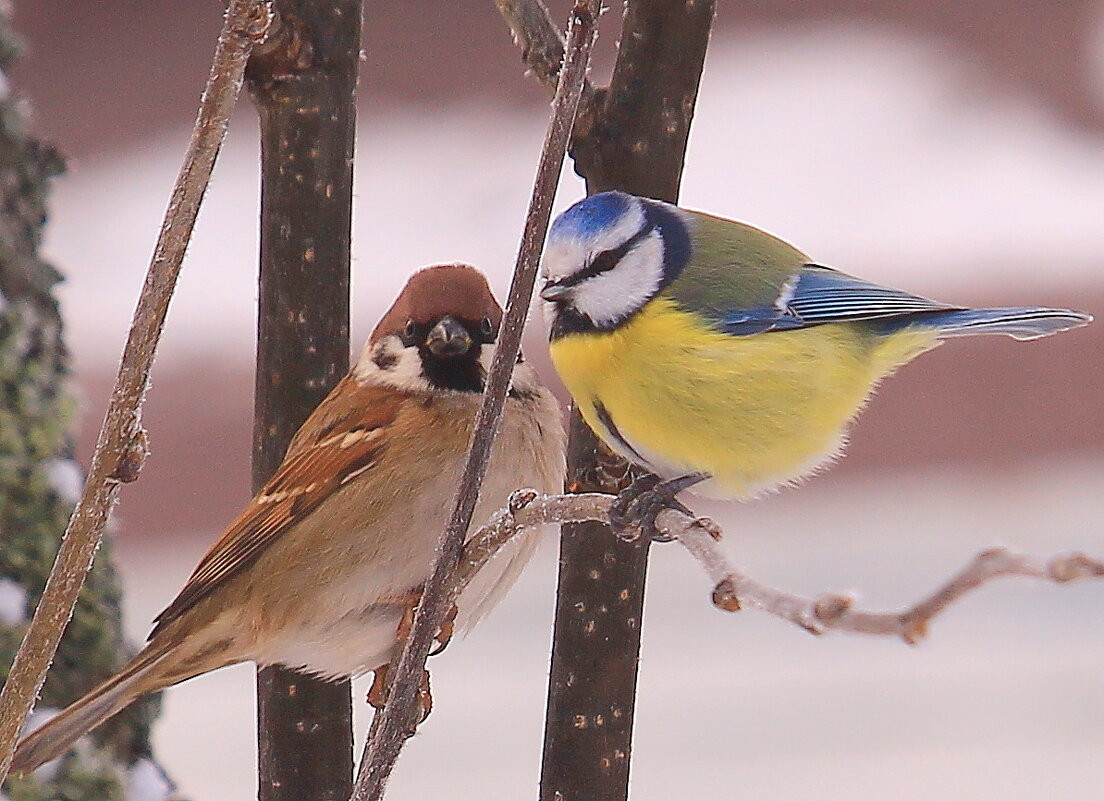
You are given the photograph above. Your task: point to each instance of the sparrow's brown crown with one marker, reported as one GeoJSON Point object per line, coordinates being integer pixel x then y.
{"type": "Point", "coordinates": [457, 290]}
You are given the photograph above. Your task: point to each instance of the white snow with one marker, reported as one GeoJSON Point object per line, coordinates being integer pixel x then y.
{"type": "Point", "coordinates": [13, 603]}
{"type": "Point", "coordinates": [146, 781]}
{"type": "Point", "coordinates": [877, 153]}
{"type": "Point", "coordinates": [67, 479]}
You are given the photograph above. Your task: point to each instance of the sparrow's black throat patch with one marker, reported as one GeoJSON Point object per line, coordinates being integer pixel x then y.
{"type": "Point", "coordinates": [460, 372]}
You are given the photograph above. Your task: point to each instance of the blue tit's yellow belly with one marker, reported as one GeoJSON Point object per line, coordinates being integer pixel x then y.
{"type": "Point", "coordinates": [752, 411]}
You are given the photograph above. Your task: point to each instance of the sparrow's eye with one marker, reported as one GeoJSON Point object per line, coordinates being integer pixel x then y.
{"type": "Point", "coordinates": [486, 328]}
{"type": "Point", "coordinates": [409, 331]}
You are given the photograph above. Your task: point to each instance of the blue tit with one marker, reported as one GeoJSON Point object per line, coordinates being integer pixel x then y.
{"type": "Point", "coordinates": [712, 353]}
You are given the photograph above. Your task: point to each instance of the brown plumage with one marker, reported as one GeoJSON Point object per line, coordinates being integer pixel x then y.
{"type": "Point", "coordinates": [315, 573]}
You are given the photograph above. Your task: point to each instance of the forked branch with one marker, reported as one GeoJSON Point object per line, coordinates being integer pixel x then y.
{"type": "Point", "coordinates": [734, 589]}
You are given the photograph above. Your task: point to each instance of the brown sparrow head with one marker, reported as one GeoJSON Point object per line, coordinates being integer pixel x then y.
{"type": "Point", "coordinates": [316, 572]}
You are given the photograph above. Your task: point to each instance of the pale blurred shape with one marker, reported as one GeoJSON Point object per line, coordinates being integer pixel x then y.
{"type": "Point", "coordinates": [864, 147]}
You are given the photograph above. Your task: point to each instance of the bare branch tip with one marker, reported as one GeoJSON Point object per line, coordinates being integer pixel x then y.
{"type": "Point", "coordinates": [724, 596]}
{"type": "Point", "coordinates": [1073, 566]}
{"type": "Point", "coordinates": [831, 607]}
{"type": "Point", "coordinates": [913, 629]}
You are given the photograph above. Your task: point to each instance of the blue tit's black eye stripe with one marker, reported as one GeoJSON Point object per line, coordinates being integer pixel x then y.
{"type": "Point", "coordinates": [607, 259]}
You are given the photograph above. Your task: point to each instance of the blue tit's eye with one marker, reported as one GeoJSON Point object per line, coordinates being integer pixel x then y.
{"type": "Point", "coordinates": [605, 261]}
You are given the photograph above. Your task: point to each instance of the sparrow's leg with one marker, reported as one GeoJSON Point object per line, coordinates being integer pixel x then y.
{"type": "Point", "coordinates": [381, 686]}
{"type": "Point", "coordinates": [444, 634]}
{"type": "Point", "coordinates": [377, 693]}
{"type": "Point", "coordinates": [409, 602]}
{"type": "Point", "coordinates": [637, 506]}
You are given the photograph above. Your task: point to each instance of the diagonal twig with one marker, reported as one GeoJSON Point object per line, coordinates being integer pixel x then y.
{"type": "Point", "coordinates": [121, 446]}
{"type": "Point", "coordinates": [541, 42]}
{"type": "Point", "coordinates": [733, 588]}
{"type": "Point", "coordinates": [395, 723]}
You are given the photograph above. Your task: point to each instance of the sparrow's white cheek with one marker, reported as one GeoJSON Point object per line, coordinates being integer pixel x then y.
{"type": "Point", "coordinates": [390, 362]}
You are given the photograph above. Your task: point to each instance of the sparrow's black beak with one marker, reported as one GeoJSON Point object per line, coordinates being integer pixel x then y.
{"type": "Point", "coordinates": [448, 338]}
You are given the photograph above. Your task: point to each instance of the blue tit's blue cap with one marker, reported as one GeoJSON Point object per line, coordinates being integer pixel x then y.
{"type": "Point", "coordinates": [592, 215]}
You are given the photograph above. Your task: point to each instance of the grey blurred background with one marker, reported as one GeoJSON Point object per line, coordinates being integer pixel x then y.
{"type": "Point", "coordinates": [953, 149]}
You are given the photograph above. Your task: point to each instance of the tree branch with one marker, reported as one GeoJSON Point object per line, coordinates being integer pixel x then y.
{"type": "Point", "coordinates": [121, 446]}
{"type": "Point", "coordinates": [395, 723]}
{"type": "Point", "coordinates": [734, 589]}
{"type": "Point", "coordinates": [541, 42]}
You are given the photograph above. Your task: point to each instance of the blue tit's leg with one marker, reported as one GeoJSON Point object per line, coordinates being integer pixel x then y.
{"type": "Point", "coordinates": [620, 521]}
{"type": "Point", "coordinates": [636, 508]}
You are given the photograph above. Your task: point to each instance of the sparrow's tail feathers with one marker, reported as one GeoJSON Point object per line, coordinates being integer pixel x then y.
{"type": "Point", "coordinates": [52, 739]}
{"type": "Point", "coordinates": [1019, 323]}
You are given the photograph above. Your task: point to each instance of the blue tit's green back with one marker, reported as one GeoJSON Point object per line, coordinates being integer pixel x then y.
{"type": "Point", "coordinates": [733, 266]}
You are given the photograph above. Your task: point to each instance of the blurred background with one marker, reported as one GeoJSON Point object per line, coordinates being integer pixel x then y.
{"type": "Point", "coordinates": [954, 149]}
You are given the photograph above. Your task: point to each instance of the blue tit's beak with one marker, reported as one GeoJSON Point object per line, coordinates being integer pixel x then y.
{"type": "Point", "coordinates": [553, 292]}
{"type": "Point", "coordinates": [448, 338]}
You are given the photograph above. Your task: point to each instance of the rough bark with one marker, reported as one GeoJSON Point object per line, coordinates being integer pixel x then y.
{"type": "Point", "coordinates": [632, 137]}
{"type": "Point", "coordinates": [303, 82]}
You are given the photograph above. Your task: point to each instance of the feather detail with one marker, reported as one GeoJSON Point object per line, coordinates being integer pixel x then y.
{"type": "Point", "coordinates": [342, 439]}
{"type": "Point", "coordinates": [819, 295]}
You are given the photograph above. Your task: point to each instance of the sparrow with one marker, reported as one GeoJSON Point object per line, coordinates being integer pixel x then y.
{"type": "Point", "coordinates": [717, 356]}
{"type": "Point", "coordinates": [319, 573]}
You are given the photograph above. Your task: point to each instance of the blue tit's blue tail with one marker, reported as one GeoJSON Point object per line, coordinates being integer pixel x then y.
{"type": "Point", "coordinates": [1017, 322]}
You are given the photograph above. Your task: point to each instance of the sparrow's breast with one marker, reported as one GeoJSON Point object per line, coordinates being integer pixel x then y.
{"type": "Point", "coordinates": [351, 564]}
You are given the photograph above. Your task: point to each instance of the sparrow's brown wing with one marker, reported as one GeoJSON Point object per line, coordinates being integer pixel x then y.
{"type": "Point", "coordinates": [342, 438]}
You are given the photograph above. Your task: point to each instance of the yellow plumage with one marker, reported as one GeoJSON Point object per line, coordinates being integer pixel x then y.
{"type": "Point", "coordinates": [752, 411]}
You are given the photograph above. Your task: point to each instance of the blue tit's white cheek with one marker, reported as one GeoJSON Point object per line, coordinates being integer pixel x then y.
{"type": "Point", "coordinates": [612, 296]}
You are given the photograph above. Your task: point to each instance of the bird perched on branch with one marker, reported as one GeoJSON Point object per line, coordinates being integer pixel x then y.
{"type": "Point", "coordinates": [719, 357]}
{"type": "Point", "coordinates": [325, 564]}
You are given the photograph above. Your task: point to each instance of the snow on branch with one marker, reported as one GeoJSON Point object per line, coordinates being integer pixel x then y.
{"type": "Point", "coordinates": [733, 589]}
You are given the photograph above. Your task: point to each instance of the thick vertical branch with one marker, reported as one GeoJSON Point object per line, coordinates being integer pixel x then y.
{"type": "Point", "coordinates": [632, 137]}
{"type": "Point", "coordinates": [303, 83]}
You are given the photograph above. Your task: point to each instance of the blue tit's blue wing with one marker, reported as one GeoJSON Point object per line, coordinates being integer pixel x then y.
{"type": "Point", "coordinates": [818, 295]}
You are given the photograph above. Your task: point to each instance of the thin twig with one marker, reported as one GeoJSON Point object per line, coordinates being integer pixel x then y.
{"type": "Point", "coordinates": [541, 42]}
{"type": "Point", "coordinates": [734, 589]}
{"type": "Point", "coordinates": [395, 723]}
{"type": "Point", "coordinates": [121, 446]}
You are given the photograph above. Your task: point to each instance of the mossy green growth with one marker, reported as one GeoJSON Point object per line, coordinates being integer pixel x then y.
{"type": "Point", "coordinates": [34, 421]}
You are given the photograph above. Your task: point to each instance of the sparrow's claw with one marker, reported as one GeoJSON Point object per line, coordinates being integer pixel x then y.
{"type": "Point", "coordinates": [425, 697]}
{"type": "Point", "coordinates": [635, 511]}
{"type": "Point", "coordinates": [444, 634]}
{"type": "Point", "coordinates": [409, 602]}
{"type": "Point", "coordinates": [377, 693]}
{"type": "Point", "coordinates": [381, 687]}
